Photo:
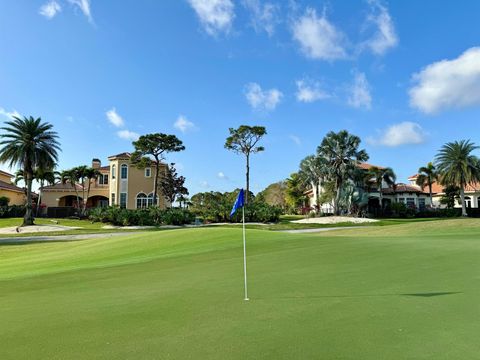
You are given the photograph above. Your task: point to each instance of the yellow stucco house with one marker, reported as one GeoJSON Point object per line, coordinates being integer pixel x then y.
{"type": "Point", "coordinates": [120, 183]}
{"type": "Point", "coordinates": [10, 190]}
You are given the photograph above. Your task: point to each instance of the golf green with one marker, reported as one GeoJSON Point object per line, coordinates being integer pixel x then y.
{"type": "Point", "coordinates": [396, 292]}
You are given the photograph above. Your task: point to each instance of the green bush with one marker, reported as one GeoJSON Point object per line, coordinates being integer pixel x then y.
{"type": "Point", "coordinates": [12, 211]}
{"type": "Point", "coordinates": [141, 217]}
{"type": "Point", "coordinates": [4, 201]}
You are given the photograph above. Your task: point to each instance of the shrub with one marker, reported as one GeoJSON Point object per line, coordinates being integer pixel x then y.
{"type": "Point", "coordinates": [141, 217]}
{"type": "Point", "coordinates": [4, 201]}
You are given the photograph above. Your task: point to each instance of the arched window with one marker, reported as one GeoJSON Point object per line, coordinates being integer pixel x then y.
{"type": "Point", "coordinates": [150, 200]}
{"type": "Point", "coordinates": [124, 171]}
{"type": "Point", "coordinates": [114, 169]}
{"type": "Point", "coordinates": [142, 201]}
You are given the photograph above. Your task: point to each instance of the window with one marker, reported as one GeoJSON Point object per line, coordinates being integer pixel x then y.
{"type": "Point", "coordinates": [468, 202]}
{"type": "Point", "coordinates": [103, 179]}
{"type": "Point", "coordinates": [113, 198]}
{"type": "Point", "coordinates": [150, 200]}
{"type": "Point", "coordinates": [411, 202]}
{"type": "Point", "coordinates": [124, 171]}
{"type": "Point", "coordinates": [141, 201]}
{"type": "Point", "coordinates": [123, 200]}
{"type": "Point", "coordinates": [144, 201]}
{"type": "Point", "coordinates": [148, 172]}
{"type": "Point", "coordinates": [421, 203]}
{"type": "Point", "coordinates": [114, 169]}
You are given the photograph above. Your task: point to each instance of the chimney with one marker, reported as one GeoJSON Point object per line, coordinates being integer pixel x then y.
{"type": "Point", "coordinates": [96, 163]}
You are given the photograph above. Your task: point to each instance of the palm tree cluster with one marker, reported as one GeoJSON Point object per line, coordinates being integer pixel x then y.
{"type": "Point", "coordinates": [83, 176]}
{"type": "Point", "coordinates": [336, 161]}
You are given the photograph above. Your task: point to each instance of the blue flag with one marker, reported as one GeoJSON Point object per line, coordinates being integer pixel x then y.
{"type": "Point", "coordinates": [238, 203]}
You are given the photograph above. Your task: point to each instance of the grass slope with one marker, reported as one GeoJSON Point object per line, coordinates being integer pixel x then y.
{"type": "Point", "coordinates": [400, 292]}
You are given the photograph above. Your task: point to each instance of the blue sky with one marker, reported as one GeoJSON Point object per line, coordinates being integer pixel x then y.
{"type": "Point", "coordinates": [402, 75]}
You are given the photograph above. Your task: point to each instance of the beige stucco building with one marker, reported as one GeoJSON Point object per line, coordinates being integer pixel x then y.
{"type": "Point", "coordinates": [10, 190]}
{"type": "Point", "coordinates": [120, 183]}
{"type": "Point", "coordinates": [472, 194]}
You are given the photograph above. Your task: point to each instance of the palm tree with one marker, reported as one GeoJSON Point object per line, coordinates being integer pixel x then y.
{"type": "Point", "coordinates": [380, 176]}
{"type": "Point", "coordinates": [312, 173]}
{"type": "Point", "coordinates": [29, 144]}
{"type": "Point", "coordinates": [90, 174]}
{"type": "Point", "coordinates": [427, 175]}
{"type": "Point", "coordinates": [457, 166]}
{"type": "Point", "coordinates": [341, 154]}
{"type": "Point", "coordinates": [43, 176]}
{"type": "Point", "coordinates": [70, 176]}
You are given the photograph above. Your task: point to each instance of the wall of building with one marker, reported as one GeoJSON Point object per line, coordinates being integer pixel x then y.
{"type": "Point", "coordinates": [137, 182]}
{"type": "Point", "coordinates": [16, 198]}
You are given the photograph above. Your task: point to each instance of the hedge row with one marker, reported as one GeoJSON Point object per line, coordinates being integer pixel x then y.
{"type": "Point", "coordinates": [152, 216]}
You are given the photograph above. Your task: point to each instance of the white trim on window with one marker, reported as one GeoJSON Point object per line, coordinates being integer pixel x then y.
{"type": "Point", "coordinates": [124, 175]}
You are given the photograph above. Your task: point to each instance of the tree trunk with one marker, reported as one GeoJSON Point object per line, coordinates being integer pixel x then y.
{"type": "Point", "coordinates": [155, 182]}
{"type": "Point", "coordinates": [318, 197]}
{"type": "Point", "coordinates": [39, 197]}
{"type": "Point", "coordinates": [84, 211]}
{"type": "Point", "coordinates": [28, 218]}
{"type": "Point", "coordinates": [462, 199]}
{"type": "Point", "coordinates": [430, 191]}
{"type": "Point", "coordinates": [248, 179]}
{"type": "Point", "coordinates": [336, 208]}
{"type": "Point", "coordinates": [380, 197]}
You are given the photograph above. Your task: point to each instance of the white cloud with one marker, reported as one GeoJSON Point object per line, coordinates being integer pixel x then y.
{"type": "Point", "coordinates": [318, 38]}
{"type": "Point", "coordinates": [128, 135]}
{"type": "Point", "coordinates": [448, 84]}
{"type": "Point", "coordinates": [215, 15]}
{"type": "Point", "coordinates": [9, 114]}
{"type": "Point", "coordinates": [262, 99]}
{"type": "Point", "coordinates": [385, 36]}
{"type": "Point", "coordinates": [264, 16]}
{"type": "Point", "coordinates": [309, 91]}
{"type": "Point", "coordinates": [183, 124]}
{"type": "Point", "coordinates": [295, 139]}
{"type": "Point", "coordinates": [359, 92]}
{"type": "Point", "coordinates": [403, 133]}
{"type": "Point", "coordinates": [114, 118]}
{"type": "Point", "coordinates": [222, 176]}
{"type": "Point", "coordinates": [84, 6]}
{"type": "Point", "coordinates": [50, 9]}
{"type": "Point", "coordinates": [205, 184]}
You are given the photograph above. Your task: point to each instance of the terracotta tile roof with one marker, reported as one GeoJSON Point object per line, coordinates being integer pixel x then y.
{"type": "Point", "coordinates": [413, 177]}
{"type": "Point", "coordinates": [124, 155]}
{"type": "Point", "coordinates": [367, 166]}
{"type": "Point", "coordinates": [104, 168]}
{"type": "Point", "coordinates": [438, 188]}
{"type": "Point", "coordinates": [6, 173]}
{"type": "Point", "coordinates": [402, 188]}
{"type": "Point", "coordinates": [60, 187]}
{"type": "Point", "coordinates": [6, 186]}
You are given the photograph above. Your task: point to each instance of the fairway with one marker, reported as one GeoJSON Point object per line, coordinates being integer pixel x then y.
{"type": "Point", "coordinates": [407, 291]}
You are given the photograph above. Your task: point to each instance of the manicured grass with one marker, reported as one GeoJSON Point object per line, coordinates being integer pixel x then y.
{"type": "Point", "coordinates": [410, 291]}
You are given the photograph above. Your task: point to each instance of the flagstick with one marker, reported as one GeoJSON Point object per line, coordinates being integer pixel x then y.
{"type": "Point", "coordinates": [244, 254]}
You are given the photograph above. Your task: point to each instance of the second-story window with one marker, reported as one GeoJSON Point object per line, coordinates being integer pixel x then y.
{"type": "Point", "coordinates": [103, 179]}
{"type": "Point", "coordinates": [124, 171]}
{"type": "Point", "coordinates": [114, 169]}
{"type": "Point", "coordinates": [148, 172]}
